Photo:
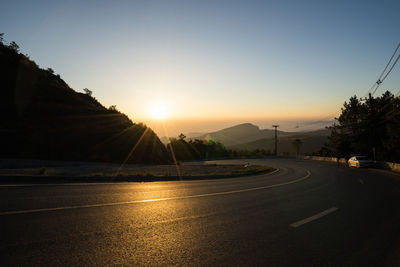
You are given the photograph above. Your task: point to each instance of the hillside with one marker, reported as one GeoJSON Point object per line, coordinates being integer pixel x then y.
{"type": "Point", "coordinates": [42, 117]}
{"type": "Point", "coordinates": [311, 142]}
{"type": "Point", "coordinates": [238, 134]}
{"type": "Point", "coordinates": [251, 137]}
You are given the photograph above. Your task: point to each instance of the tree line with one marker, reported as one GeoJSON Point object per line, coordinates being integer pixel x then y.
{"type": "Point", "coordinates": [367, 126]}
{"type": "Point", "coordinates": [207, 149]}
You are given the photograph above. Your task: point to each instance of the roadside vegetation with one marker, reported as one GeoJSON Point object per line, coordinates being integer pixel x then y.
{"type": "Point", "coordinates": [207, 149]}
{"type": "Point", "coordinates": [367, 126]}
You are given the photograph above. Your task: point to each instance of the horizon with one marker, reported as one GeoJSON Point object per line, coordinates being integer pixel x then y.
{"type": "Point", "coordinates": [197, 127]}
{"type": "Point", "coordinates": [183, 63]}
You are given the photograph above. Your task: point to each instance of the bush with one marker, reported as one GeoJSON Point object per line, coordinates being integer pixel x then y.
{"type": "Point", "coordinates": [43, 171]}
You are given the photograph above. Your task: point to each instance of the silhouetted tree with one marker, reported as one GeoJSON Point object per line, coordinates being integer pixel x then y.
{"type": "Point", "coordinates": [196, 149]}
{"type": "Point", "coordinates": [13, 45]}
{"type": "Point", "coordinates": [297, 144]}
{"type": "Point", "coordinates": [112, 107]}
{"type": "Point", "coordinates": [50, 70]}
{"type": "Point", "coordinates": [1, 37]}
{"type": "Point", "coordinates": [182, 136]}
{"type": "Point", "coordinates": [87, 91]}
{"type": "Point", "coordinates": [366, 125]}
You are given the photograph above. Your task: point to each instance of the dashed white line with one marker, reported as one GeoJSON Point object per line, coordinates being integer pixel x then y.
{"type": "Point", "coordinates": [155, 200]}
{"type": "Point", "coordinates": [314, 217]}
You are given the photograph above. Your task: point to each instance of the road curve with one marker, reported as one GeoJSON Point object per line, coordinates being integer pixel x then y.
{"type": "Point", "coordinates": [305, 213]}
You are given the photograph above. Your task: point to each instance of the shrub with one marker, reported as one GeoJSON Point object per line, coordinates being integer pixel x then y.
{"type": "Point", "coordinates": [43, 171]}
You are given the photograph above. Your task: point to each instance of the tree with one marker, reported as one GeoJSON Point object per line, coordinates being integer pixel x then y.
{"type": "Point", "coordinates": [182, 136]}
{"type": "Point", "coordinates": [1, 37]}
{"type": "Point", "coordinates": [368, 126]}
{"type": "Point", "coordinates": [112, 107]}
{"type": "Point", "coordinates": [297, 144]}
{"type": "Point", "coordinates": [87, 91]}
{"type": "Point", "coordinates": [13, 45]}
{"type": "Point", "coordinates": [50, 70]}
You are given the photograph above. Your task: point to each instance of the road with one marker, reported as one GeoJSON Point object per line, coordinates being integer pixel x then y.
{"type": "Point", "coordinates": [306, 213]}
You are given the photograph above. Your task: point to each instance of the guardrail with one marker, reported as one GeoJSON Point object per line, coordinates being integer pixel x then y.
{"type": "Point", "coordinates": [379, 164]}
{"type": "Point", "coordinates": [389, 166]}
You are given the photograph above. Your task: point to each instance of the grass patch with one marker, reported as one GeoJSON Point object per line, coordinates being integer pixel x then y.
{"type": "Point", "coordinates": [143, 174]}
{"type": "Point", "coordinates": [252, 169]}
{"type": "Point", "coordinates": [214, 170]}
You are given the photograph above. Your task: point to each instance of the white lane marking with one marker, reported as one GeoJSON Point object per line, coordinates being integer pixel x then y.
{"type": "Point", "coordinates": [118, 183]}
{"type": "Point", "coordinates": [361, 181]}
{"type": "Point", "coordinates": [154, 200]}
{"type": "Point", "coordinates": [314, 217]}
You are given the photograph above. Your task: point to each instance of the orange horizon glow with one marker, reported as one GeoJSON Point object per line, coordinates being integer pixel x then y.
{"type": "Point", "coordinates": [285, 117]}
{"type": "Point", "coordinates": [172, 127]}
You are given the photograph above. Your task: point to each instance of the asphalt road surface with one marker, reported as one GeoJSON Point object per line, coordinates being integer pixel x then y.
{"type": "Point", "coordinates": [306, 213]}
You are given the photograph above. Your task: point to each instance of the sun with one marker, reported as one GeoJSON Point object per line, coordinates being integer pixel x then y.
{"type": "Point", "coordinates": [158, 111]}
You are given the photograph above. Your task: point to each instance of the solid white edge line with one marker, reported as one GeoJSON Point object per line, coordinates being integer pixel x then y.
{"type": "Point", "coordinates": [155, 200]}
{"type": "Point", "coordinates": [314, 217]}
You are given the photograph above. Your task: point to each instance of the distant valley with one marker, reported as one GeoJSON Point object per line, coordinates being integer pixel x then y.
{"type": "Point", "coordinates": [248, 136]}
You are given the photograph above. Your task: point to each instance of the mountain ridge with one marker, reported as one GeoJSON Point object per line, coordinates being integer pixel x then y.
{"type": "Point", "coordinates": [247, 136]}
{"type": "Point", "coordinates": [42, 117]}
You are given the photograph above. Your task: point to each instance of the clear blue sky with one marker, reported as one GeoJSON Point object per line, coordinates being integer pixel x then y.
{"type": "Point", "coordinates": [212, 59]}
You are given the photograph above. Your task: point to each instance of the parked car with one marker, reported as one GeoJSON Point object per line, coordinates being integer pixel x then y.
{"type": "Point", "coordinates": [359, 162]}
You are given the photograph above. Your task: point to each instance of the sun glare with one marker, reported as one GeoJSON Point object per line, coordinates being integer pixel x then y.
{"type": "Point", "coordinates": [158, 112]}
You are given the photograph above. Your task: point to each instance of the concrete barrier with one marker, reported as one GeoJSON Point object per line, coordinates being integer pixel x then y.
{"type": "Point", "coordinates": [380, 164]}
{"type": "Point", "coordinates": [329, 159]}
{"type": "Point", "coordinates": [389, 166]}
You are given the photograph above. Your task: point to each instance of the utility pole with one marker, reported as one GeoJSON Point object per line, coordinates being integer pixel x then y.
{"type": "Point", "coordinates": [276, 139]}
{"type": "Point", "coordinates": [373, 153]}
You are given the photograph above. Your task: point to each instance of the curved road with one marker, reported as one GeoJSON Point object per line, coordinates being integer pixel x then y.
{"type": "Point", "coordinates": [306, 213]}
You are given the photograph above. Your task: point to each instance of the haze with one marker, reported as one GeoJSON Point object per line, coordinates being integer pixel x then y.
{"type": "Point", "coordinates": [209, 63]}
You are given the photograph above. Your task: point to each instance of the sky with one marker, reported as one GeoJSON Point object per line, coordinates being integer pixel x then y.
{"type": "Point", "coordinates": [205, 65]}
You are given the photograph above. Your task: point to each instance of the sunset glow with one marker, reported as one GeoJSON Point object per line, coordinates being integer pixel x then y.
{"type": "Point", "coordinates": [158, 111]}
{"type": "Point", "coordinates": [202, 63]}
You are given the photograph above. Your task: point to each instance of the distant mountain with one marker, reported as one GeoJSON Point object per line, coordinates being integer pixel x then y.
{"type": "Point", "coordinates": [193, 134]}
{"type": "Point", "coordinates": [251, 137]}
{"type": "Point", "coordinates": [311, 142]}
{"type": "Point", "coordinates": [238, 134]}
{"type": "Point", "coordinates": [42, 117]}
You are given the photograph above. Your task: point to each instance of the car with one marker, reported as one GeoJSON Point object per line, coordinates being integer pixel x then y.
{"type": "Point", "coordinates": [360, 161]}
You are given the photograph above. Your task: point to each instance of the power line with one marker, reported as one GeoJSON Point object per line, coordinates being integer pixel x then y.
{"type": "Point", "coordinates": [380, 80]}
{"type": "Point", "coordinates": [383, 76]}
{"type": "Point", "coordinates": [397, 59]}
